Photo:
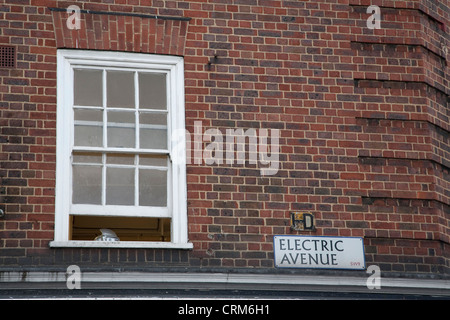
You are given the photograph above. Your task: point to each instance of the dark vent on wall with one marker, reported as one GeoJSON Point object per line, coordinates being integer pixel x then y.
{"type": "Point", "coordinates": [7, 57]}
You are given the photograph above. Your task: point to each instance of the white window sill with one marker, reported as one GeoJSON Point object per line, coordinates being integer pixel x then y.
{"type": "Point", "coordinates": [120, 244]}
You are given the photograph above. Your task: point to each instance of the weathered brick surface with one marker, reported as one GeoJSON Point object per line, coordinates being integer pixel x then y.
{"type": "Point", "coordinates": [363, 116]}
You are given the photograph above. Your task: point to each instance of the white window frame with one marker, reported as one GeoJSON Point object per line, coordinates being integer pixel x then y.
{"type": "Point", "coordinates": [67, 60]}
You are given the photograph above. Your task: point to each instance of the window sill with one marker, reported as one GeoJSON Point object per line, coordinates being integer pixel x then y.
{"type": "Point", "coordinates": [120, 244]}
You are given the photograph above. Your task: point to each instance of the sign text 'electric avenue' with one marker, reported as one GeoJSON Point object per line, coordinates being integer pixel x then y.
{"type": "Point", "coordinates": [319, 252]}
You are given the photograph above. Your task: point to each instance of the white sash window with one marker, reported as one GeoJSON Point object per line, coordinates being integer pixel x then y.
{"type": "Point", "coordinates": [116, 115]}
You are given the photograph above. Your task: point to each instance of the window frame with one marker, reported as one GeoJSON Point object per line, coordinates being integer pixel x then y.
{"type": "Point", "coordinates": [67, 61]}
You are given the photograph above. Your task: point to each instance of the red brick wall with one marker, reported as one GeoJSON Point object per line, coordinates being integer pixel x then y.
{"type": "Point", "coordinates": [363, 116]}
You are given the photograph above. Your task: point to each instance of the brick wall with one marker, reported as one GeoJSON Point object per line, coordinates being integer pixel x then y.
{"type": "Point", "coordinates": [363, 116]}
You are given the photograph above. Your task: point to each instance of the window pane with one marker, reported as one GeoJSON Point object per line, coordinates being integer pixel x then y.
{"type": "Point", "coordinates": [152, 187]}
{"type": "Point", "coordinates": [120, 89]}
{"type": "Point", "coordinates": [120, 186]}
{"type": "Point", "coordinates": [126, 159]}
{"type": "Point", "coordinates": [88, 87]}
{"type": "Point", "coordinates": [87, 157]}
{"type": "Point", "coordinates": [153, 130]}
{"type": "Point", "coordinates": [88, 128]}
{"type": "Point", "coordinates": [152, 91]}
{"type": "Point", "coordinates": [87, 184]}
{"type": "Point", "coordinates": [121, 129]}
{"type": "Point", "coordinates": [153, 160]}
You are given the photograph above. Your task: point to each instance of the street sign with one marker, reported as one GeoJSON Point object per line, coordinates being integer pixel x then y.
{"type": "Point", "coordinates": [320, 252]}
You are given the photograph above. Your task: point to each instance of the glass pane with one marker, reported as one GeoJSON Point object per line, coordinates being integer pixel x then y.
{"type": "Point", "coordinates": [126, 159]}
{"type": "Point", "coordinates": [120, 89]}
{"type": "Point", "coordinates": [153, 160]}
{"type": "Point", "coordinates": [88, 128]}
{"type": "Point", "coordinates": [87, 184]}
{"type": "Point", "coordinates": [120, 186]}
{"type": "Point", "coordinates": [85, 157]}
{"type": "Point", "coordinates": [152, 91]}
{"type": "Point", "coordinates": [152, 187]}
{"type": "Point", "coordinates": [88, 87]}
{"type": "Point", "coordinates": [153, 130]}
{"type": "Point", "coordinates": [121, 129]}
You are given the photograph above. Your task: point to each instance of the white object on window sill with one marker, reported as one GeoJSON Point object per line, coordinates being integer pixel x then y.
{"type": "Point", "coordinates": [107, 235]}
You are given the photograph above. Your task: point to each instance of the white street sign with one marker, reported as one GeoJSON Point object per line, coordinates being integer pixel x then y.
{"type": "Point", "coordinates": [320, 252]}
